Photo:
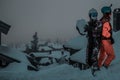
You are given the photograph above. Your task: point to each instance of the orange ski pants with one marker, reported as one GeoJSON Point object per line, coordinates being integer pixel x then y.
{"type": "Point", "coordinates": [106, 49]}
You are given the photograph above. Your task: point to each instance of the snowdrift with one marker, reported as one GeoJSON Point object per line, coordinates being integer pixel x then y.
{"type": "Point", "coordinates": [15, 54]}
{"type": "Point", "coordinates": [78, 42]}
{"type": "Point", "coordinates": [79, 56]}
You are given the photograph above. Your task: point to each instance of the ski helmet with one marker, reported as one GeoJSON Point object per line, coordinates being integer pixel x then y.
{"type": "Point", "coordinates": [93, 14]}
{"type": "Point", "coordinates": [106, 9]}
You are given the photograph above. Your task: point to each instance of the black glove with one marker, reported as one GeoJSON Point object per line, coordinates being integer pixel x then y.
{"type": "Point", "coordinates": [112, 40]}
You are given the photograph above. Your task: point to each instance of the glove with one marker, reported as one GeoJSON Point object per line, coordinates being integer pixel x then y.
{"type": "Point", "coordinates": [112, 40]}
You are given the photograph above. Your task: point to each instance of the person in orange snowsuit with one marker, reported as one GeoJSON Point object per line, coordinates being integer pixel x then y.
{"type": "Point", "coordinates": [106, 50]}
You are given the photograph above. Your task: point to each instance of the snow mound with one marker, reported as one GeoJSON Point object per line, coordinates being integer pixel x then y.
{"type": "Point", "coordinates": [13, 53]}
{"type": "Point", "coordinates": [79, 56]}
{"type": "Point", "coordinates": [15, 68]}
{"type": "Point", "coordinates": [79, 42]}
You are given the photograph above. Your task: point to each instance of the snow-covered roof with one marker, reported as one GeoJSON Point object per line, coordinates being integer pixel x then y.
{"type": "Point", "coordinates": [13, 53]}
{"type": "Point", "coordinates": [54, 54]}
{"type": "Point", "coordinates": [45, 48]}
{"type": "Point", "coordinates": [79, 56]}
{"type": "Point", "coordinates": [56, 45]}
{"type": "Point", "coordinates": [78, 42]}
{"type": "Point", "coordinates": [40, 54]}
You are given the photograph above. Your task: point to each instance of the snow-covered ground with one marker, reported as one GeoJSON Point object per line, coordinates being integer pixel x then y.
{"type": "Point", "coordinates": [65, 71]}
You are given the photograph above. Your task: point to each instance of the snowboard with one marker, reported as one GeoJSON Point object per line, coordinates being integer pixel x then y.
{"type": "Point", "coordinates": [80, 24]}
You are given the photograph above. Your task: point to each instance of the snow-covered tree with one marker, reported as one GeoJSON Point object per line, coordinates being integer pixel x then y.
{"type": "Point", "coordinates": [34, 43]}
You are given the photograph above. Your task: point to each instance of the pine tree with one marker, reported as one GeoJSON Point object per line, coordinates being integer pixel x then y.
{"type": "Point", "coordinates": [34, 43]}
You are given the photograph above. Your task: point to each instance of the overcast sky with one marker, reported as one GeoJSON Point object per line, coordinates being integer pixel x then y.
{"type": "Point", "coordinates": [52, 19]}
